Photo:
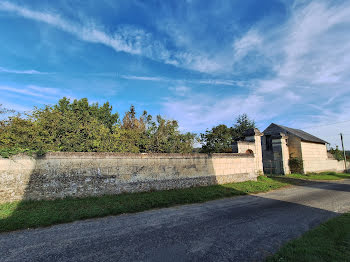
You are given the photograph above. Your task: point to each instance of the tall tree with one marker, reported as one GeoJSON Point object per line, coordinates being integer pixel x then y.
{"type": "Point", "coordinates": [219, 139]}
{"type": "Point", "coordinates": [243, 123]}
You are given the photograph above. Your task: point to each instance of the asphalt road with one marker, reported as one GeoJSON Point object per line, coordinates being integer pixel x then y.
{"type": "Point", "coordinates": [246, 228]}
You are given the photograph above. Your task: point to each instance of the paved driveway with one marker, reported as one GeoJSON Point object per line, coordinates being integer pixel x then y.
{"type": "Point", "coordinates": [246, 228]}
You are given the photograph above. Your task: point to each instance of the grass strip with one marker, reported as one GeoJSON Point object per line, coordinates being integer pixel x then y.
{"type": "Point", "coordinates": [320, 176]}
{"type": "Point", "coordinates": [31, 214]}
{"type": "Point", "coordinates": [328, 242]}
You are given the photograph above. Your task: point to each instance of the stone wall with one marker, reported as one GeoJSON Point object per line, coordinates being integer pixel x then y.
{"type": "Point", "coordinates": [59, 175]}
{"type": "Point", "coordinates": [294, 145]}
{"type": "Point", "coordinates": [313, 151]}
{"type": "Point", "coordinates": [315, 159]}
{"type": "Point", "coordinates": [251, 145]}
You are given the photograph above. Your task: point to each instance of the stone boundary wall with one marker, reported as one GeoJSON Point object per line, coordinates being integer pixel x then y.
{"type": "Point", "coordinates": [325, 165]}
{"type": "Point", "coordinates": [59, 175]}
{"type": "Point", "coordinates": [315, 159]}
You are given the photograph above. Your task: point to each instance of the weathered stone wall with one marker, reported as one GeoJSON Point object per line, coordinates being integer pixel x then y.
{"type": "Point", "coordinates": [59, 175]}
{"type": "Point", "coordinates": [294, 145]}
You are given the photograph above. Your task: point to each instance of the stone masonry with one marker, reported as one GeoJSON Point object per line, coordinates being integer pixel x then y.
{"type": "Point", "coordinates": [59, 175]}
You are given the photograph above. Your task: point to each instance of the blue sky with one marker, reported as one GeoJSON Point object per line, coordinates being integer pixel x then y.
{"type": "Point", "coordinates": [200, 62]}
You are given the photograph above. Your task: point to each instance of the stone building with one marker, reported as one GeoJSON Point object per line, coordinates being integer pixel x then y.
{"type": "Point", "coordinates": [280, 143]}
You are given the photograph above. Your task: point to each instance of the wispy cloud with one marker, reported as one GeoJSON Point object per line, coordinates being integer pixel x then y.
{"type": "Point", "coordinates": [308, 58]}
{"type": "Point", "coordinates": [126, 38]}
{"type": "Point", "coordinates": [145, 78]}
{"type": "Point", "coordinates": [180, 90]}
{"type": "Point", "coordinates": [249, 42]}
{"type": "Point", "coordinates": [34, 91]}
{"type": "Point", "coordinates": [21, 72]}
{"type": "Point", "coordinates": [224, 82]}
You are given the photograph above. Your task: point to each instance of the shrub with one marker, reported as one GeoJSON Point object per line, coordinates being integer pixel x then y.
{"type": "Point", "coordinates": [296, 165]}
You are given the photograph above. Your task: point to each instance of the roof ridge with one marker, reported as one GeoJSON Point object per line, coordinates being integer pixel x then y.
{"type": "Point", "coordinates": [299, 133]}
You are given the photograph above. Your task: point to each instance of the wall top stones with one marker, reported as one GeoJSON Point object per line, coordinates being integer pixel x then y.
{"type": "Point", "coordinates": [99, 155]}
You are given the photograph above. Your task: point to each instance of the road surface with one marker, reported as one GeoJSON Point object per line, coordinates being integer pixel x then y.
{"type": "Point", "coordinates": [246, 228]}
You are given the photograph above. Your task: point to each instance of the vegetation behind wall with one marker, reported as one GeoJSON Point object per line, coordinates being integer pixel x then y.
{"type": "Point", "coordinates": [220, 138]}
{"type": "Point", "coordinates": [82, 127]}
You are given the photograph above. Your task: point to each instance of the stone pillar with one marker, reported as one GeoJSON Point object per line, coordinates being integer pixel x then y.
{"type": "Point", "coordinates": [254, 135]}
{"type": "Point", "coordinates": [280, 154]}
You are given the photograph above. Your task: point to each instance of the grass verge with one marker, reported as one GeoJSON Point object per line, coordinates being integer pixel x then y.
{"type": "Point", "coordinates": [31, 214]}
{"type": "Point", "coordinates": [328, 242]}
{"type": "Point", "coordinates": [320, 176]}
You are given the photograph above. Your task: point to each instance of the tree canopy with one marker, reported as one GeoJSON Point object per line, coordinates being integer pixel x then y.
{"type": "Point", "coordinates": [77, 126]}
{"type": "Point", "coordinates": [219, 139]}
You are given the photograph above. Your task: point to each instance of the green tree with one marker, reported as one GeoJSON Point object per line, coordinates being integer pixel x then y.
{"type": "Point", "coordinates": [78, 126]}
{"type": "Point", "coordinates": [166, 138]}
{"type": "Point", "coordinates": [243, 123]}
{"type": "Point", "coordinates": [219, 139]}
{"type": "Point", "coordinates": [337, 154]}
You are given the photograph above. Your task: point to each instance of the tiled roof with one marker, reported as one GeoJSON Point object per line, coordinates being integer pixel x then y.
{"type": "Point", "coordinates": [276, 129]}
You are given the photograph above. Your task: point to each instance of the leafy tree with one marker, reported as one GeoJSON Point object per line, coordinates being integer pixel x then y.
{"type": "Point", "coordinates": [166, 138]}
{"type": "Point", "coordinates": [4, 110]}
{"type": "Point", "coordinates": [220, 138]}
{"type": "Point", "coordinates": [243, 123]}
{"type": "Point", "coordinates": [217, 140]}
{"type": "Point", "coordinates": [77, 126]}
{"type": "Point", "coordinates": [337, 154]}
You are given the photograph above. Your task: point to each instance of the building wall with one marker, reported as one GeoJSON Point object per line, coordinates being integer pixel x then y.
{"type": "Point", "coordinates": [59, 175]}
{"type": "Point", "coordinates": [315, 159]}
{"type": "Point", "coordinates": [313, 151]}
{"type": "Point", "coordinates": [294, 145]}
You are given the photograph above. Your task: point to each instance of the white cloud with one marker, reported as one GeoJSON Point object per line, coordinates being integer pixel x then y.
{"type": "Point", "coordinates": [311, 54]}
{"type": "Point", "coordinates": [308, 85]}
{"type": "Point", "coordinates": [145, 78]}
{"type": "Point", "coordinates": [126, 38]}
{"type": "Point", "coordinates": [23, 72]}
{"type": "Point", "coordinates": [249, 42]}
{"type": "Point", "coordinates": [180, 90]}
{"type": "Point", "coordinates": [224, 82]}
{"type": "Point", "coordinates": [198, 111]}
{"type": "Point", "coordinates": [34, 91]}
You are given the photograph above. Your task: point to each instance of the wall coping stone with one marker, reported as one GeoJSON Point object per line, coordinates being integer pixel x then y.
{"type": "Point", "coordinates": [99, 155]}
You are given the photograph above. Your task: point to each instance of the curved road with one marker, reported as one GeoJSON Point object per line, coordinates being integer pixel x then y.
{"type": "Point", "coordinates": [246, 228]}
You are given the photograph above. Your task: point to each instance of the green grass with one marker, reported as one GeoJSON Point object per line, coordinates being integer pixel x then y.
{"type": "Point", "coordinates": [31, 214]}
{"type": "Point", "coordinates": [328, 242]}
{"type": "Point", "coordinates": [320, 176]}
